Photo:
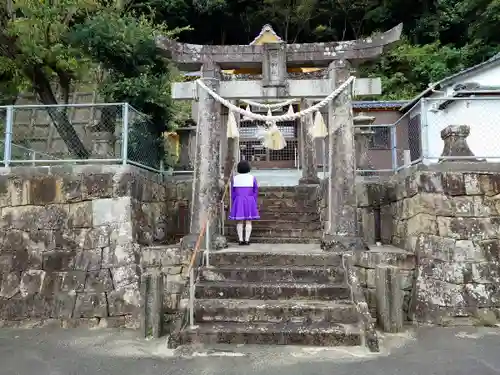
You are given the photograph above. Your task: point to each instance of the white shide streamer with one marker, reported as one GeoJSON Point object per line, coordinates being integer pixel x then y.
{"type": "Point", "coordinates": [286, 116]}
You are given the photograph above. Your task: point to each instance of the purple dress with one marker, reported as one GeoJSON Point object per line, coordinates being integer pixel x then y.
{"type": "Point", "coordinates": [244, 193]}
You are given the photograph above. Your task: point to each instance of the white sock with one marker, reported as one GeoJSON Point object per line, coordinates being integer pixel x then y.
{"type": "Point", "coordinates": [239, 229]}
{"type": "Point", "coordinates": [248, 230]}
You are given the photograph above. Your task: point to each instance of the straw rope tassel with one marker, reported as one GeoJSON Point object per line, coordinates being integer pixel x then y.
{"type": "Point", "coordinates": [273, 139]}
{"type": "Point", "coordinates": [246, 118]}
{"type": "Point", "coordinates": [318, 129]}
{"type": "Point", "coordinates": [232, 126]}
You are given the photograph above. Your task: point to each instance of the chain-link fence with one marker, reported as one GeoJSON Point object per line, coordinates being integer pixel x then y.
{"type": "Point", "coordinates": [481, 114]}
{"type": "Point", "coordinates": [144, 148]}
{"type": "Point", "coordinates": [78, 133]}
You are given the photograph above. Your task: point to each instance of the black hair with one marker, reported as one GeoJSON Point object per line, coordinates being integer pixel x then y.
{"type": "Point", "coordinates": [243, 167]}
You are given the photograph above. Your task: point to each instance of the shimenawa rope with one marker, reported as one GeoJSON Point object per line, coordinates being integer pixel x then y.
{"type": "Point", "coordinates": [286, 116]}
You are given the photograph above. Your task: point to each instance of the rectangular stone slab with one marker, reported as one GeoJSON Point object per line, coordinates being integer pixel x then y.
{"type": "Point", "coordinates": [303, 88]}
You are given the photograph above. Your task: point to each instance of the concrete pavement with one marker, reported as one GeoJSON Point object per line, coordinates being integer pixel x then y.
{"type": "Point", "coordinates": [54, 351]}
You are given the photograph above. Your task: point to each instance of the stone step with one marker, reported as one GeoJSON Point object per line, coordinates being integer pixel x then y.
{"type": "Point", "coordinates": [271, 290]}
{"type": "Point", "coordinates": [276, 240]}
{"type": "Point", "coordinates": [260, 225]}
{"type": "Point", "coordinates": [296, 232]}
{"type": "Point", "coordinates": [300, 217]}
{"type": "Point", "coordinates": [298, 204]}
{"type": "Point", "coordinates": [287, 189]}
{"type": "Point", "coordinates": [316, 334]}
{"type": "Point", "coordinates": [306, 194]}
{"type": "Point", "coordinates": [274, 274]}
{"type": "Point", "coordinates": [249, 258]}
{"type": "Point", "coordinates": [274, 311]}
{"type": "Point", "coordinates": [293, 209]}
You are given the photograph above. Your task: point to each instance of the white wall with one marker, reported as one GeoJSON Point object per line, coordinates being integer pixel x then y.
{"type": "Point", "coordinates": [480, 113]}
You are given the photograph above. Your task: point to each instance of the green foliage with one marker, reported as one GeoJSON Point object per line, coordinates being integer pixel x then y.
{"type": "Point", "coordinates": [408, 69]}
{"type": "Point", "coordinates": [124, 46]}
{"type": "Point", "coordinates": [442, 36]}
{"type": "Point", "coordinates": [45, 42]}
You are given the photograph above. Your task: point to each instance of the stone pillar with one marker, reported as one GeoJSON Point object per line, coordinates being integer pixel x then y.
{"type": "Point", "coordinates": [151, 290]}
{"type": "Point", "coordinates": [390, 298]}
{"type": "Point", "coordinates": [362, 137]}
{"type": "Point", "coordinates": [455, 144]}
{"type": "Point", "coordinates": [309, 166]}
{"type": "Point", "coordinates": [342, 232]}
{"type": "Point", "coordinates": [206, 179]}
{"type": "Point", "coordinates": [233, 147]}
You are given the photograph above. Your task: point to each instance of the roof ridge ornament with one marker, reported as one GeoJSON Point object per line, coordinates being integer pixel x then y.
{"type": "Point", "coordinates": [267, 28]}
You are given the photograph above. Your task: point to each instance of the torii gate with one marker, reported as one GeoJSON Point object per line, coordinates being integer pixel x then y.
{"type": "Point", "coordinates": [274, 60]}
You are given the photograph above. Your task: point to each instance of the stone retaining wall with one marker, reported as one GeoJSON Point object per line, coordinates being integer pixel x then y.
{"type": "Point", "coordinates": [72, 239]}
{"type": "Point", "coordinates": [365, 264]}
{"type": "Point", "coordinates": [172, 263]}
{"type": "Point", "coordinates": [448, 215]}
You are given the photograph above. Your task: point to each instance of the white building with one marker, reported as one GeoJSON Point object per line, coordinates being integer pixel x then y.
{"type": "Point", "coordinates": [470, 97]}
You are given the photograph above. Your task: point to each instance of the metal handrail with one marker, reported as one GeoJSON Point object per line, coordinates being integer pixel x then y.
{"type": "Point", "coordinates": [204, 230]}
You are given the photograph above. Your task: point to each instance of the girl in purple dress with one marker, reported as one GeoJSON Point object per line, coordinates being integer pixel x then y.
{"type": "Point", "coordinates": [244, 193]}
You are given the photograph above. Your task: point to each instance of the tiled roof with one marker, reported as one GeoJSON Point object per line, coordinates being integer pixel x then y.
{"type": "Point", "coordinates": [373, 104]}
{"type": "Point", "coordinates": [436, 86]}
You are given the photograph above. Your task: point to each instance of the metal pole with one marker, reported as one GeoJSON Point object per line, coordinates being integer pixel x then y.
{"type": "Point", "coordinates": [207, 245]}
{"type": "Point", "coordinates": [394, 148]}
{"type": "Point", "coordinates": [423, 131]}
{"type": "Point", "coordinates": [330, 169]}
{"type": "Point", "coordinates": [8, 135]}
{"type": "Point", "coordinates": [125, 129]}
{"type": "Point", "coordinates": [191, 298]}
{"type": "Point", "coordinates": [406, 158]}
{"type": "Point", "coordinates": [223, 219]}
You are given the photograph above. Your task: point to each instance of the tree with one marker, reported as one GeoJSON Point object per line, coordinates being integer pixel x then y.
{"type": "Point", "coordinates": [32, 47]}
{"type": "Point", "coordinates": [64, 41]}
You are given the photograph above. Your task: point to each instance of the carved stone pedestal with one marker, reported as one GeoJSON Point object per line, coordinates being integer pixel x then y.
{"type": "Point", "coordinates": [455, 144]}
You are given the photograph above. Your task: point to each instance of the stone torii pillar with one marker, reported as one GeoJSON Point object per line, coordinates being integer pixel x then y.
{"type": "Point", "coordinates": [342, 232]}
{"type": "Point", "coordinates": [206, 177]}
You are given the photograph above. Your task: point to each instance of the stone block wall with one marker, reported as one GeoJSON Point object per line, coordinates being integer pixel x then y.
{"type": "Point", "coordinates": [365, 264]}
{"type": "Point", "coordinates": [448, 215]}
{"type": "Point", "coordinates": [72, 237]}
{"type": "Point", "coordinates": [172, 263]}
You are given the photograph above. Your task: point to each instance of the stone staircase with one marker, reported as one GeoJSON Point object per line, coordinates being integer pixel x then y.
{"type": "Point", "coordinates": [282, 289]}
{"type": "Point", "coordinates": [274, 295]}
{"type": "Point", "coordinates": [289, 214]}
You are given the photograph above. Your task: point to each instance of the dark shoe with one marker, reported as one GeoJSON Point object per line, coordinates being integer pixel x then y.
{"type": "Point", "coordinates": [241, 243]}
{"type": "Point", "coordinates": [246, 243]}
